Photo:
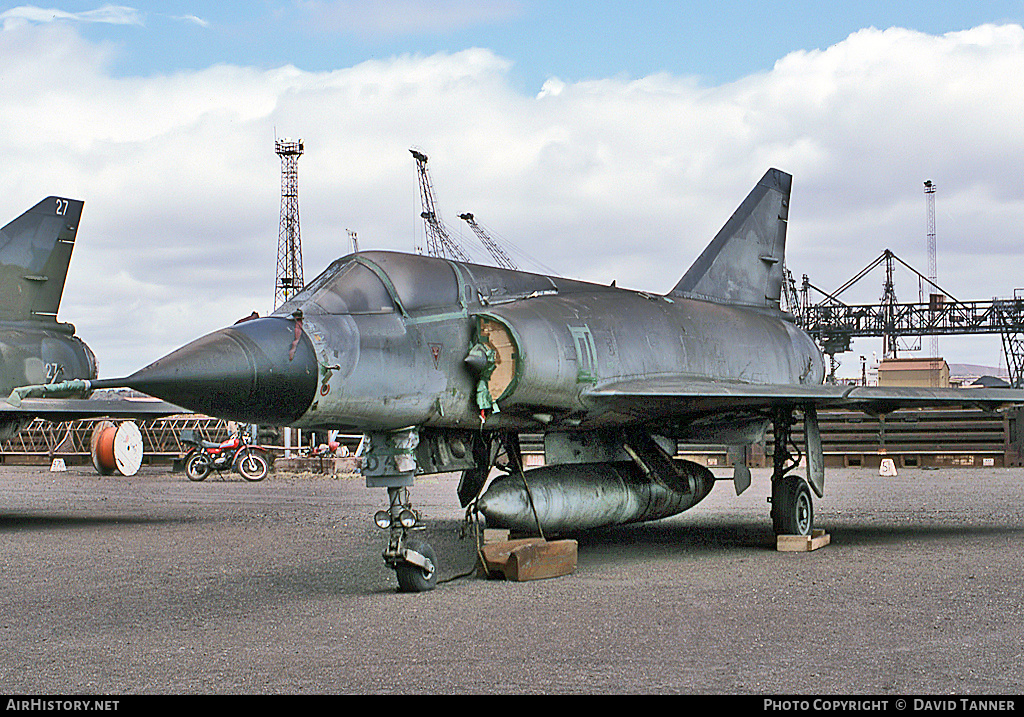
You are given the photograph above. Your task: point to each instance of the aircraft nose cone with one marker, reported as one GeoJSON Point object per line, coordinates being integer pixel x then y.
{"type": "Point", "coordinates": [241, 373]}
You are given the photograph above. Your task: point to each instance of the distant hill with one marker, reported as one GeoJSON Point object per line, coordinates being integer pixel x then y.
{"type": "Point", "coordinates": [970, 369]}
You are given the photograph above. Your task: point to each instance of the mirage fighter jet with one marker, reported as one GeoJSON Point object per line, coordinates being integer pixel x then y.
{"type": "Point", "coordinates": [443, 364]}
{"type": "Point", "coordinates": [35, 251]}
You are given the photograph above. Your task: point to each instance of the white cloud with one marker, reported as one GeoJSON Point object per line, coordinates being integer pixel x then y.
{"type": "Point", "coordinates": [604, 179]}
{"type": "Point", "coordinates": [30, 14]}
{"type": "Point", "coordinates": [192, 19]}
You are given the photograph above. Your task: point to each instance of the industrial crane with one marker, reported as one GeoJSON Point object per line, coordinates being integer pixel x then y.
{"type": "Point", "coordinates": [833, 324]}
{"type": "Point", "coordinates": [439, 242]}
{"type": "Point", "coordinates": [499, 254]}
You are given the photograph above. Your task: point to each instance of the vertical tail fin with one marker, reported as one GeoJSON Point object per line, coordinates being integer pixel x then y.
{"type": "Point", "coordinates": [743, 263]}
{"type": "Point", "coordinates": [35, 250]}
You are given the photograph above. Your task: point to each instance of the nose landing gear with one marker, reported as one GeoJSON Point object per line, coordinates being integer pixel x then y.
{"type": "Point", "coordinates": [412, 559]}
{"type": "Point", "coordinates": [390, 462]}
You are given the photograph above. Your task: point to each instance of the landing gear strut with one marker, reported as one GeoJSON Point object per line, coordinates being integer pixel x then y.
{"type": "Point", "coordinates": [413, 560]}
{"type": "Point", "coordinates": [390, 462]}
{"type": "Point", "coordinates": [792, 505]}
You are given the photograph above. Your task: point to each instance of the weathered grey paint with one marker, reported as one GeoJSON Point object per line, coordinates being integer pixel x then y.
{"type": "Point", "coordinates": [388, 335]}
{"type": "Point", "coordinates": [383, 342]}
{"type": "Point", "coordinates": [35, 250]}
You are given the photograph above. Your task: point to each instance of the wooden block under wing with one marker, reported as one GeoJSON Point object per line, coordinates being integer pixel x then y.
{"type": "Point", "coordinates": [495, 554]}
{"type": "Point", "coordinates": [496, 535]}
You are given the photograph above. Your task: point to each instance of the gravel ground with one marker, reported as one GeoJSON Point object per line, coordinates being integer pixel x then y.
{"type": "Point", "coordinates": [152, 584]}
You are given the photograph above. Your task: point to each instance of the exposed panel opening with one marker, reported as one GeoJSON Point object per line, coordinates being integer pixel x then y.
{"type": "Point", "coordinates": [496, 336]}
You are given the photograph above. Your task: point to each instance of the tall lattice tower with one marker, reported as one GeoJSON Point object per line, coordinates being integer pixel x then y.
{"type": "Point", "coordinates": [933, 274]}
{"type": "Point", "coordinates": [289, 243]}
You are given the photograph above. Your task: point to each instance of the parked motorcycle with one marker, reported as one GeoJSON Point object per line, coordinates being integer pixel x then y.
{"type": "Point", "coordinates": [236, 453]}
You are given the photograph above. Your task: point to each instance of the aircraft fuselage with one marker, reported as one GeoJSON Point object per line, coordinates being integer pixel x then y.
{"type": "Point", "coordinates": [393, 371]}
{"type": "Point", "coordinates": [382, 341]}
{"type": "Point", "coordinates": [442, 364]}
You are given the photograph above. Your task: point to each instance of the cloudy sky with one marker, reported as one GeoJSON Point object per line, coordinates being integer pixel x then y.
{"type": "Point", "coordinates": [606, 140]}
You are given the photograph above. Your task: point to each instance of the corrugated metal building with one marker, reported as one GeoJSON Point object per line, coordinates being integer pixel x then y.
{"type": "Point", "coordinates": [919, 372]}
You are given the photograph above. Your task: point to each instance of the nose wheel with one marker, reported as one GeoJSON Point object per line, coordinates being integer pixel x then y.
{"type": "Point", "coordinates": [412, 559]}
{"type": "Point", "coordinates": [417, 572]}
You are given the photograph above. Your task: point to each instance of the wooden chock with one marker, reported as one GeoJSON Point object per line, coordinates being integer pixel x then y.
{"type": "Point", "coordinates": [802, 543]}
{"type": "Point", "coordinates": [529, 558]}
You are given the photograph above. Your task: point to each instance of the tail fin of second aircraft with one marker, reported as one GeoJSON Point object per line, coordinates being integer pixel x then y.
{"type": "Point", "coordinates": [743, 263]}
{"type": "Point", "coordinates": [35, 250]}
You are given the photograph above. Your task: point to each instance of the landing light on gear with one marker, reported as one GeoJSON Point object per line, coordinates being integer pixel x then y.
{"type": "Point", "coordinates": [408, 519]}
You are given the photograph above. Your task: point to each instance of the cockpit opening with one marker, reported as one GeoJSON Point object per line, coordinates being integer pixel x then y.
{"type": "Point", "coordinates": [354, 289]}
{"type": "Point", "coordinates": [378, 283]}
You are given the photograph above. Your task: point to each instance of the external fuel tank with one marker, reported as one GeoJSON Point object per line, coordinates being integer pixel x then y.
{"type": "Point", "coordinates": [581, 496]}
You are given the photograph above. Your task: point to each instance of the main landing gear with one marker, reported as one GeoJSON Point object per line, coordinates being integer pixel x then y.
{"type": "Point", "coordinates": [792, 505]}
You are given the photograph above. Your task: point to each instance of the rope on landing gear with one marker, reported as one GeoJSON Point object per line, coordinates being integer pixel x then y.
{"type": "Point", "coordinates": [471, 512]}
{"type": "Point", "coordinates": [470, 520]}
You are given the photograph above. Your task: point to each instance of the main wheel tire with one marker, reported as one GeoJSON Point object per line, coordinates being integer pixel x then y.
{"type": "Point", "coordinates": [253, 467]}
{"type": "Point", "coordinates": [412, 578]}
{"type": "Point", "coordinates": [197, 466]}
{"type": "Point", "coordinates": [792, 507]}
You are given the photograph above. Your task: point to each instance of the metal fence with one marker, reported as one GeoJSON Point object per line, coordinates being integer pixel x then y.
{"type": "Point", "coordinates": [160, 437]}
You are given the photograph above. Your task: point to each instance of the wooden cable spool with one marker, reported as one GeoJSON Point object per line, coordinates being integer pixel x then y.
{"type": "Point", "coordinates": [116, 448]}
